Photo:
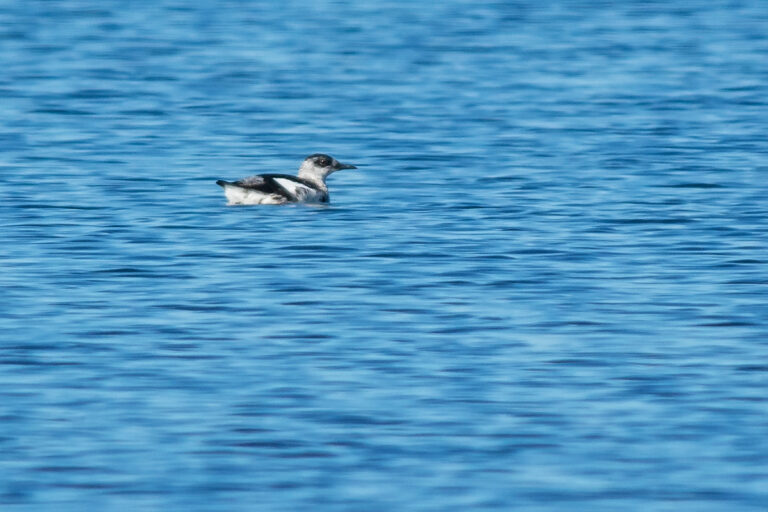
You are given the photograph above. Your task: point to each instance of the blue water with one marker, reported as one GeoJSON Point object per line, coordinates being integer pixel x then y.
{"type": "Point", "coordinates": [545, 287]}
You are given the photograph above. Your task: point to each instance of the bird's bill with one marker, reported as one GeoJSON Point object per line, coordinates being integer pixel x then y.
{"type": "Point", "coordinates": [346, 166]}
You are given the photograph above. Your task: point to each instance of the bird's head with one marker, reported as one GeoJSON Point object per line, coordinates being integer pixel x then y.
{"type": "Point", "coordinates": [320, 166]}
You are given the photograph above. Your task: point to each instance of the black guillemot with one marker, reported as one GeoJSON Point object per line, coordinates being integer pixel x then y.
{"type": "Point", "coordinates": [308, 187]}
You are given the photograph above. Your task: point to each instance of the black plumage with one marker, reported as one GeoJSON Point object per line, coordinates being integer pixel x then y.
{"type": "Point", "coordinates": [266, 184]}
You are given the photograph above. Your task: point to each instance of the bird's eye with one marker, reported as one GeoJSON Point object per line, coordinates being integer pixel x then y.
{"type": "Point", "coordinates": [323, 161]}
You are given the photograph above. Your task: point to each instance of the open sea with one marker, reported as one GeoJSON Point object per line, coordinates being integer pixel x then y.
{"type": "Point", "coordinates": [544, 289]}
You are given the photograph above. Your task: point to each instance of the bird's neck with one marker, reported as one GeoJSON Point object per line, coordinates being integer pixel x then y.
{"type": "Point", "coordinates": [314, 178]}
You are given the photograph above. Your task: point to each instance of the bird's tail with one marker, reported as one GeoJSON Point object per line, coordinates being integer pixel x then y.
{"type": "Point", "coordinates": [222, 183]}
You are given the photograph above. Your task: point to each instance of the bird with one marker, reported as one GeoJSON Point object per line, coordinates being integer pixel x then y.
{"type": "Point", "coordinates": [308, 187]}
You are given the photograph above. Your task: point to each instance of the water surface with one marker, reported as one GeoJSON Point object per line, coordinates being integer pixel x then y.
{"type": "Point", "coordinates": [545, 288]}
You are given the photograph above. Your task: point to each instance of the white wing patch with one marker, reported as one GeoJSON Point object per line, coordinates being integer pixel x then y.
{"type": "Point", "coordinates": [300, 191]}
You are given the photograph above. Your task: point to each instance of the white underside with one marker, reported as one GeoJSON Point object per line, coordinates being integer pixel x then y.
{"type": "Point", "coordinates": [244, 196]}
{"type": "Point", "coordinates": [239, 195]}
